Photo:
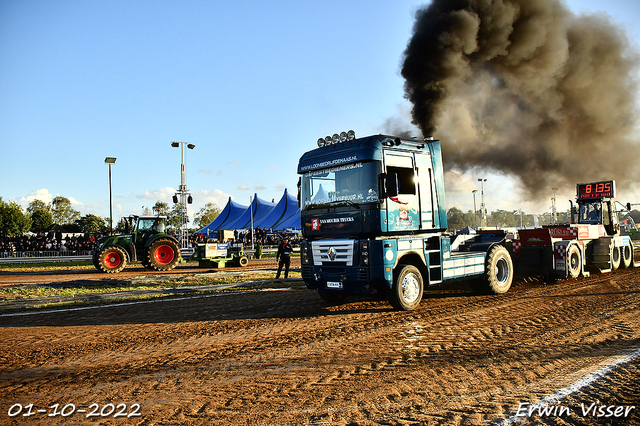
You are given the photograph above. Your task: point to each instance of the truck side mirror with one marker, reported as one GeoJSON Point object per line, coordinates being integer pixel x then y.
{"type": "Point", "coordinates": [629, 206]}
{"type": "Point", "coordinates": [389, 184]}
{"type": "Point", "coordinates": [299, 186]}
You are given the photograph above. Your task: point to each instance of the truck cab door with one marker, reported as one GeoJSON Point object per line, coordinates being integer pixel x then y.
{"type": "Point", "coordinates": [402, 206]}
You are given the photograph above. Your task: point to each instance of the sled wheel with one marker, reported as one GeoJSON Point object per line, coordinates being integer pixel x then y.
{"type": "Point", "coordinates": [574, 261]}
{"type": "Point", "coordinates": [163, 254]}
{"type": "Point", "coordinates": [498, 271]}
{"type": "Point", "coordinates": [111, 259]}
{"type": "Point", "coordinates": [406, 293]}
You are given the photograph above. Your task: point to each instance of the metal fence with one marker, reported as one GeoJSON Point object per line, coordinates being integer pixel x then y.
{"type": "Point", "coordinates": [44, 256]}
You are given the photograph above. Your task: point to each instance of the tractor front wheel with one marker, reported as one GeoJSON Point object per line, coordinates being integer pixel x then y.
{"type": "Point", "coordinates": [163, 254]}
{"type": "Point", "coordinates": [111, 259]}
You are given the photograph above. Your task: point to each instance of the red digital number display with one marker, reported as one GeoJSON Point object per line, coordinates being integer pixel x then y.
{"type": "Point", "coordinates": [605, 189]}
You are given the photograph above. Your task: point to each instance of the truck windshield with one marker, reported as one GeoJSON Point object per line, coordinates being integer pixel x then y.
{"type": "Point", "coordinates": [347, 184]}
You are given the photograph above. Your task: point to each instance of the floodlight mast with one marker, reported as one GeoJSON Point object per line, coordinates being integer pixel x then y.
{"type": "Point", "coordinates": [110, 161]}
{"type": "Point", "coordinates": [183, 196]}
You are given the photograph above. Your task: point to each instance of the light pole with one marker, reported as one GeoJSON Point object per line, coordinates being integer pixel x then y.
{"type": "Point", "coordinates": [183, 196]}
{"type": "Point", "coordinates": [554, 212]}
{"type": "Point", "coordinates": [110, 161]}
{"type": "Point", "coordinates": [475, 212]}
{"type": "Point", "coordinates": [483, 209]}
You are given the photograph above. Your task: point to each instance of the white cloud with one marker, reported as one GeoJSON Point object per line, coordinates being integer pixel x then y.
{"type": "Point", "coordinates": [236, 164]}
{"type": "Point", "coordinates": [242, 188]}
{"type": "Point", "coordinates": [216, 197]}
{"type": "Point", "coordinates": [39, 194]}
{"type": "Point", "coordinates": [162, 194]}
{"type": "Point", "coordinates": [205, 170]}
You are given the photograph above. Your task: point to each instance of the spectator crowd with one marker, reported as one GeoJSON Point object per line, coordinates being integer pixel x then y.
{"type": "Point", "coordinates": [46, 241]}
{"type": "Point", "coordinates": [56, 241]}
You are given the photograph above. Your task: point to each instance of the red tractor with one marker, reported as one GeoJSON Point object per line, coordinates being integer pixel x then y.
{"type": "Point", "coordinates": [592, 240]}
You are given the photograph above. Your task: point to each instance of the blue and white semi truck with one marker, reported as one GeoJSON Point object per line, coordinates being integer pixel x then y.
{"type": "Point", "coordinates": [374, 218]}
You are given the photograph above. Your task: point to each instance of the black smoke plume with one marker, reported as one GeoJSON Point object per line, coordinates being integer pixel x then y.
{"type": "Point", "coordinates": [525, 88]}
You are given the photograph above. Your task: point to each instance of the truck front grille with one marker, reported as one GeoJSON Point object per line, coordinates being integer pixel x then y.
{"type": "Point", "coordinates": [332, 252]}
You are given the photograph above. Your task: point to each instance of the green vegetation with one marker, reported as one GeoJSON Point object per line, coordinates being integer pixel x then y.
{"type": "Point", "coordinates": [102, 287]}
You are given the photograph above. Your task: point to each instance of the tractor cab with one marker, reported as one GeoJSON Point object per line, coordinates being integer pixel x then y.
{"type": "Point", "coordinates": [146, 226]}
{"type": "Point", "coordinates": [596, 206]}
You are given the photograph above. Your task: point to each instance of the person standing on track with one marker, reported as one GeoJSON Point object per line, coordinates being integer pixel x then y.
{"type": "Point", "coordinates": [284, 257]}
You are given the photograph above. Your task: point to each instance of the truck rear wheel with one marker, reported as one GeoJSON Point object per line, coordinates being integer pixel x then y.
{"type": "Point", "coordinates": [498, 271]}
{"type": "Point", "coordinates": [163, 254]}
{"type": "Point", "coordinates": [111, 259]}
{"type": "Point", "coordinates": [406, 293]}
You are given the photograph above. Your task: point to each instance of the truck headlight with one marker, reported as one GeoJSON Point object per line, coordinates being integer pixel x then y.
{"type": "Point", "coordinates": [304, 254]}
{"type": "Point", "coordinates": [364, 253]}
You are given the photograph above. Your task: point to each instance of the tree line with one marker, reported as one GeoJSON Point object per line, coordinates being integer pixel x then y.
{"type": "Point", "coordinates": [41, 217]}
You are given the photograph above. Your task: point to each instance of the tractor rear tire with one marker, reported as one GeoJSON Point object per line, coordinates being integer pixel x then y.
{"type": "Point", "coordinates": [574, 261]}
{"type": "Point", "coordinates": [163, 254]}
{"type": "Point", "coordinates": [627, 256]}
{"type": "Point", "coordinates": [111, 259]}
{"type": "Point", "coordinates": [616, 258]}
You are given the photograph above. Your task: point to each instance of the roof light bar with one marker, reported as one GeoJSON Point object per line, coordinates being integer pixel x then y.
{"type": "Point", "coordinates": [337, 138]}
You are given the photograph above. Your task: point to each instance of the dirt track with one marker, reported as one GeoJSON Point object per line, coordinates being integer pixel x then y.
{"type": "Point", "coordinates": [284, 357]}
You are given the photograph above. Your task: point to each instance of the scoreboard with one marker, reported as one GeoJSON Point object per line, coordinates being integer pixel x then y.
{"type": "Point", "coordinates": [605, 189]}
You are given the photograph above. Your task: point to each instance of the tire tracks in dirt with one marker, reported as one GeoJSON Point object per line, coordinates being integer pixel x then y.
{"type": "Point", "coordinates": [284, 358]}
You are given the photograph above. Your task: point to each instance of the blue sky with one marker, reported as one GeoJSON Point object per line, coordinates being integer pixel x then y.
{"type": "Point", "coordinates": [253, 84]}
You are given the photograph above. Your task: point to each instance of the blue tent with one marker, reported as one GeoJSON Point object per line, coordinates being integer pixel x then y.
{"type": "Point", "coordinates": [291, 222]}
{"type": "Point", "coordinates": [287, 206]}
{"type": "Point", "coordinates": [231, 212]}
{"type": "Point", "coordinates": [259, 208]}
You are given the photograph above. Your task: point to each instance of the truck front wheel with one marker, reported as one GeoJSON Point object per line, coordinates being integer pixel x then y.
{"type": "Point", "coordinates": [406, 293]}
{"type": "Point", "coordinates": [498, 271]}
{"type": "Point", "coordinates": [111, 259]}
{"type": "Point", "coordinates": [163, 255]}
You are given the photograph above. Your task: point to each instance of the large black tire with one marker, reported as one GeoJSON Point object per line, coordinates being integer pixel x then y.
{"type": "Point", "coordinates": [498, 274]}
{"type": "Point", "coordinates": [616, 258]}
{"type": "Point", "coordinates": [243, 261]}
{"type": "Point", "coordinates": [406, 293]}
{"type": "Point", "coordinates": [627, 256]}
{"type": "Point", "coordinates": [111, 259]}
{"type": "Point", "coordinates": [163, 254]}
{"type": "Point", "coordinates": [574, 262]}
{"type": "Point", "coordinates": [94, 258]}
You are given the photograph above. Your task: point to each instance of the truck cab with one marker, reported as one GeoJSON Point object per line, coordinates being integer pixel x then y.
{"type": "Point", "coordinates": [373, 217]}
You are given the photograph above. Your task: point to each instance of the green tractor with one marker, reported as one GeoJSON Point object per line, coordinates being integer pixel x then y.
{"type": "Point", "coordinates": [147, 243]}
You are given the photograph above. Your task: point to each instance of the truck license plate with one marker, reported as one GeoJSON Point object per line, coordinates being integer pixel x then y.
{"type": "Point", "coordinates": [334, 284]}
